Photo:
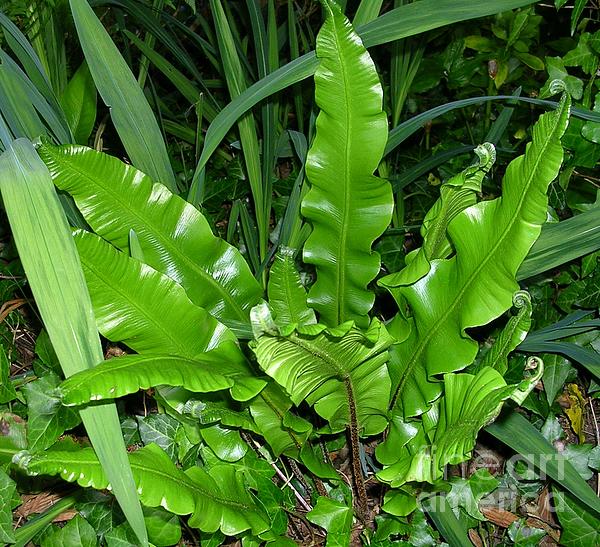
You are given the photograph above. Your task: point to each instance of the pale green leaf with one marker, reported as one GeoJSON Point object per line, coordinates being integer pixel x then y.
{"type": "Point", "coordinates": [174, 236]}
{"type": "Point", "coordinates": [351, 132]}
{"type": "Point", "coordinates": [54, 273]}
{"type": "Point", "coordinates": [142, 308]}
{"type": "Point", "coordinates": [343, 375]}
{"type": "Point", "coordinates": [476, 285]}
{"type": "Point", "coordinates": [130, 112]}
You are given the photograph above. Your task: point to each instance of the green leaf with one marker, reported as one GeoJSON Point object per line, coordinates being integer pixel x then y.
{"type": "Point", "coordinates": [142, 308]}
{"type": "Point", "coordinates": [449, 526]}
{"type": "Point", "coordinates": [271, 412]}
{"type": "Point", "coordinates": [580, 526]}
{"type": "Point", "coordinates": [13, 437]}
{"type": "Point", "coordinates": [562, 242]}
{"type": "Point", "coordinates": [407, 20]}
{"type": "Point", "coordinates": [418, 451]}
{"type": "Point", "coordinates": [351, 132]}
{"type": "Point", "coordinates": [336, 518]}
{"type": "Point", "coordinates": [212, 371]}
{"type": "Point", "coordinates": [47, 418]}
{"type": "Point", "coordinates": [226, 443]}
{"type": "Point", "coordinates": [467, 493]}
{"type": "Point", "coordinates": [7, 390]}
{"type": "Point", "coordinates": [7, 492]}
{"type": "Point", "coordinates": [163, 527]}
{"type": "Point", "coordinates": [491, 240]}
{"type": "Point", "coordinates": [161, 483]}
{"type": "Point", "coordinates": [287, 295]}
{"type": "Point", "coordinates": [556, 371]}
{"type": "Point", "coordinates": [174, 236]}
{"type": "Point", "coordinates": [76, 532]}
{"type": "Point", "coordinates": [78, 101]}
{"type": "Point", "coordinates": [518, 433]}
{"type": "Point", "coordinates": [54, 272]}
{"type": "Point", "coordinates": [161, 430]}
{"type": "Point", "coordinates": [343, 375]}
{"type": "Point", "coordinates": [456, 195]}
{"type": "Point", "coordinates": [525, 536]}
{"type": "Point", "coordinates": [130, 112]}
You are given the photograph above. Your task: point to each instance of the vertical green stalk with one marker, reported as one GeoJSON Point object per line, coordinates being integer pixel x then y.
{"type": "Point", "coordinates": [51, 263]}
{"type": "Point", "coordinates": [236, 83]}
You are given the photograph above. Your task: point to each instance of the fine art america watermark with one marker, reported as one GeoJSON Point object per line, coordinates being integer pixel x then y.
{"type": "Point", "coordinates": [524, 476]}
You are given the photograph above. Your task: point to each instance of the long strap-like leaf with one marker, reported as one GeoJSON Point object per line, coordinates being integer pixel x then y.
{"type": "Point", "coordinates": [408, 20]}
{"type": "Point", "coordinates": [130, 112]}
{"type": "Point", "coordinates": [347, 205]}
{"type": "Point", "coordinates": [50, 260]}
{"type": "Point", "coordinates": [475, 286]}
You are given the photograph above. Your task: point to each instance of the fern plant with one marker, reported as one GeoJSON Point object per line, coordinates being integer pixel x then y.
{"type": "Point", "coordinates": [305, 363]}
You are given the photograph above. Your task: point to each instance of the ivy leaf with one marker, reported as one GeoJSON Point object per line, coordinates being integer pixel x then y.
{"type": "Point", "coordinates": [160, 429]}
{"type": "Point", "coordinates": [77, 531]}
{"type": "Point", "coordinates": [525, 536]}
{"type": "Point", "coordinates": [226, 443]}
{"type": "Point", "coordinates": [556, 371]}
{"type": "Point", "coordinates": [101, 511]}
{"type": "Point", "coordinates": [580, 526]}
{"type": "Point", "coordinates": [7, 491]}
{"type": "Point", "coordinates": [579, 456]}
{"type": "Point", "coordinates": [467, 493]}
{"type": "Point", "coordinates": [120, 536]}
{"type": "Point", "coordinates": [7, 390]}
{"type": "Point", "coordinates": [336, 518]}
{"type": "Point", "coordinates": [47, 417]}
{"type": "Point", "coordinates": [163, 527]}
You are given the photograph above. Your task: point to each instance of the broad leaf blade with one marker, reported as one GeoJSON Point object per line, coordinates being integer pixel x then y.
{"type": "Point", "coordinates": [174, 236]}
{"type": "Point", "coordinates": [50, 260]}
{"type": "Point", "coordinates": [348, 145]}
{"type": "Point", "coordinates": [342, 374]}
{"type": "Point", "coordinates": [142, 308]}
{"type": "Point", "coordinates": [491, 240]}
{"type": "Point", "coordinates": [160, 483]}
{"type": "Point", "coordinates": [124, 375]}
{"type": "Point", "coordinates": [130, 112]}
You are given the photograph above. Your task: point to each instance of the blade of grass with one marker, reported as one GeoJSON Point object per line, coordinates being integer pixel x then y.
{"type": "Point", "coordinates": [562, 242]}
{"type": "Point", "coordinates": [367, 11]}
{"type": "Point", "coordinates": [236, 84]}
{"type": "Point", "coordinates": [131, 114]}
{"type": "Point", "coordinates": [515, 431]}
{"type": "Point", "coordinates": [446, 523]}
{"type": "Point", "coordinates": [401, 132]}
{"type": "Point", "coordinates": [294, 54]}
{"type": "Point", "coordinates": [52, 266]}
{"type": "Point", "coordinates": [398, 23]}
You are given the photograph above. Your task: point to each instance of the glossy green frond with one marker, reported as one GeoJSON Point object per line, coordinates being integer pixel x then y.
{"type": "Point", "coordinates": [344, 377]}
{"type": "Point", "coordinates": [418, 451]}
{"type": "Point", "coordinates": [212, 371]}
{"type": "Point", "coordinates": [174, 236]}
{"type": "Point", "coordinates": [476, 285]}
{"type": "Point", "coordinates": [456, 195]}
{"type": "Point", "coordinates": [160, 483]}
{"type": "Point", "coordinates": [142, 308]}
{"type": "Point", "coordinates": [347, 205]}
{"type": "Point", "coordinates": [287, 296]}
